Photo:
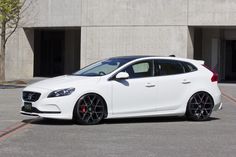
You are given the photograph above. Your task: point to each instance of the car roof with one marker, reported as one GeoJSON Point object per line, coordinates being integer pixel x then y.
{"type": "Point", "coordinates": [132, 57]}
{"type": "Point", "coordinates": [137, 57]}
{"type": "Point", "coordinates": [172, 57]}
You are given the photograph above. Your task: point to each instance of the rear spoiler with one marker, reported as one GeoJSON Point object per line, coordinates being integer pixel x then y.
{"type": "Point", "coordinates": [200, 62]}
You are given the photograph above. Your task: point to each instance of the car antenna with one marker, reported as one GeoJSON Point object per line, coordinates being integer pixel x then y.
{"type": "Point", "coordinates": [171, 55]}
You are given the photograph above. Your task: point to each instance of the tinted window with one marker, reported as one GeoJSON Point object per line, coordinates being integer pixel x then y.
{"type": "Point", "coordinates": [188, 67]}
{"type": "Point", "coordinates": [168, 67]}
{"type": "Point", "coordinates": [140, 69]}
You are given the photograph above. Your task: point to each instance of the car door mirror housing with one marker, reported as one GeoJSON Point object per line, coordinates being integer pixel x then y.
{"type": "Point", "coordinates": [122, 75]}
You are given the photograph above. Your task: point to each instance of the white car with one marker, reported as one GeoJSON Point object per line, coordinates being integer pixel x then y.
{"type": "Point", "coordinates": [130, 86]}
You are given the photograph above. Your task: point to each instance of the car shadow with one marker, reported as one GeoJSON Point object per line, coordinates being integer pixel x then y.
{"type": "Point", "coordinates": [46, 121]}
{"type": "Point", "coordinates": [151, 120]}
{"type": "Point", "coordinates": [144, 120]}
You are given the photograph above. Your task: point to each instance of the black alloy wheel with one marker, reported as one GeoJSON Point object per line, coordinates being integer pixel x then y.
{"type": "Point", "coordinates": [90, 109]}
{"type": "Point", "coordinates": [200, 106]}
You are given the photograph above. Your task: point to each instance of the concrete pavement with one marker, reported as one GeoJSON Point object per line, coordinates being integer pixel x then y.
{"type": "Point", "coordinates": [9, 107]}
{"type": "Point", "coordinates": [170, 136]}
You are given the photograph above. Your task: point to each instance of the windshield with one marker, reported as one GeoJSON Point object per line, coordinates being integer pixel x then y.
{"type": "Point", "coordinates": [102, 67]}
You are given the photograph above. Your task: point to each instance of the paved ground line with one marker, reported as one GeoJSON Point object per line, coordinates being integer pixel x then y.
{"type": "Point", "coordinates": [229, 97]}
{"type": "Point", "coordinates": [13, 129]}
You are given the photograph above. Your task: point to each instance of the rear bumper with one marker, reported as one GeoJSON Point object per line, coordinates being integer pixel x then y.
{"type": "Point", "coordinates": [218, 107]}
{"type": "Point", "coordinates": [216, 95]}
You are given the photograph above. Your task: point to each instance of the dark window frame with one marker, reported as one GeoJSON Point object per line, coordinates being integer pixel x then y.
{"type": "Point", "coordinates": [186, 66]}
{"type": "Point", "coordinates": [157, 70]}
{"type": "Point", "coordinates": [136, 62]}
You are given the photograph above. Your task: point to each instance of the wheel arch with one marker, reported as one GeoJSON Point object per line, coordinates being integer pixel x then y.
{"type": "Point", "coordinates": [204, 91]}
{"type": "Point", "coordinates": [198, 91]}
{"type": "Point", "coordinates": [94, 93]}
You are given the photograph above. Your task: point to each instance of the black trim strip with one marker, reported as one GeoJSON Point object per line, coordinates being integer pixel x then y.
{"type": "Point", "coordinates": [35, 110]}
{"type": "Point", "coordinates": [29, 114]}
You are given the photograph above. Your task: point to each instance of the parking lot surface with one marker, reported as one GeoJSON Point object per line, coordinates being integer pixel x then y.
{"type": "Point", "coordinates": [24, 136]}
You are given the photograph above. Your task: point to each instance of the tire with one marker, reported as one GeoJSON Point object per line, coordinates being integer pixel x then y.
{"type": "Point", "coordinates": [90, 109]}
{"type": "Point", "coordinates": [200, 107]}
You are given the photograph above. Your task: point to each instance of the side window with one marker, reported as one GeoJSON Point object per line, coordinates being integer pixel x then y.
{"type": "Point", "coordinates": [168, 67]}
{"type": "Point", "coordinates": [188, 67]}
{"type": "Point", "coordinates": [140, 69]}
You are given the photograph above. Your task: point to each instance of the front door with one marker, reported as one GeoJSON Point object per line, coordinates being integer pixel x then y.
{"type": "Point", "coordinates": [138, 93]}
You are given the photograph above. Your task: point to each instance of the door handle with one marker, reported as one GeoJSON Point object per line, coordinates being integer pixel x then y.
{"type": "Point", "coordinates": [150, 85]}
{"type": "Point", "coordinates": [186, 82]}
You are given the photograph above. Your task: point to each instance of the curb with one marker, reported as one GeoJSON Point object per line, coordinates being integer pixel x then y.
{"type": "Point", "coordinates": [8, 86]}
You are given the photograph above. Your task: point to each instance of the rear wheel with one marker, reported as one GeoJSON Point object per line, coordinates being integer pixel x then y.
{"type": "Point", "coordinates": [199, 107]}
{"type": "Point", "coordinates": [90, 109]}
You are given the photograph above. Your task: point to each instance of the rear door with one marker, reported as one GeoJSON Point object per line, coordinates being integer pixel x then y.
{"type": "Point", "coordinates": [172, 84]}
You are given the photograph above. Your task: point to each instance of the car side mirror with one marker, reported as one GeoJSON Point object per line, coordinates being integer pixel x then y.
{"type": "Point", "coordinates": [122, 75]}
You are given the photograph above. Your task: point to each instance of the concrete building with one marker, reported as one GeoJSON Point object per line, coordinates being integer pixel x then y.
{"type": "Point", "coordinates": [60, 36]}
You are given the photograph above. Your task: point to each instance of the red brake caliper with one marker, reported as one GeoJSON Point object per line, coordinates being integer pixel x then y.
{"type": "Point", "coordinates": [83, 109]}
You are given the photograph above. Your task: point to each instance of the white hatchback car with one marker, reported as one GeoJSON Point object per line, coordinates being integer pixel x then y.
{"type": "Point", "coordinates": [130, 86]}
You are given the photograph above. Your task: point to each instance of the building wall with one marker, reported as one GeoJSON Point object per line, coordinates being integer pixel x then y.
{"type": "Point", "coordinates": [52, 13]}
{"type": "Point", "coordinates": [19, 55]}
{"type": "Point", "coordinates": [212, 12]}
{"type": "Point", "coordinates": [118, 27]}
{"type": "Point", "coordinates": [103, 42]}
{"type": "Point", "coordinates": [134, 12]}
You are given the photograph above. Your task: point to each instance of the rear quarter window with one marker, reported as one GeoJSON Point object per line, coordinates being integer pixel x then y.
{"type": "Point", "coordinates": [188, 67]}
{"type": "Point", "coordinates": [168, 67]}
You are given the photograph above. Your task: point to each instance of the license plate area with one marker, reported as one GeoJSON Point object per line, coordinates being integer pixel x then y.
{"type": "Point", "coordinates": [28, 106]}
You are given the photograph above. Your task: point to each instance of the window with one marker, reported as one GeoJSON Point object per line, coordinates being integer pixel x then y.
{"type": "Point", "coordinates": [102, 68]}
{"type": "Point", "coordinates": [168, 67]}
{"type": "Point", "coordinates": [140, 69]}
{"type": "Point", "coordinates": [188, 67]}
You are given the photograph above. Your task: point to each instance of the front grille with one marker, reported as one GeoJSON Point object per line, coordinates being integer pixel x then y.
{"type": "Point", "coordinates": [31, 96]}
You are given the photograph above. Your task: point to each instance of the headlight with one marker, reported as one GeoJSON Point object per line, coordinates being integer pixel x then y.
{"type": "Point", "coordinates": [61, 92]}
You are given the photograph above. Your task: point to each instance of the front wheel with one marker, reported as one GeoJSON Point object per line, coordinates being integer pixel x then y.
{"type": "Point", "coordinates": [90, 109]}
{"type": "Point", "coordinates": [199, 107]}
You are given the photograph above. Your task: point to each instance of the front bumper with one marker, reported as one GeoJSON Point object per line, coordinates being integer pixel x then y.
{"type": "Point", "coordinates": [56, 114]}
{"type": "Point", "coordinates": [48, 115]}
{"type": "Point", "coordinates": [35, 110]}
{"type": "Point", "coordinates": [56, 108]}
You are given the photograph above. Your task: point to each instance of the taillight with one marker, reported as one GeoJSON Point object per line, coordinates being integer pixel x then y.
{"type": "Point", "coordinates": [214, 77]}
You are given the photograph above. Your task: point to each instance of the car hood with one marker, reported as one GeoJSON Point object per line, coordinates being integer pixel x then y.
{"type": "Point", "coordinates": [62, 82]}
